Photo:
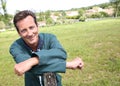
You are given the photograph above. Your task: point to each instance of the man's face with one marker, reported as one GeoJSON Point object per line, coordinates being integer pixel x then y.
{"type": "Point", "coordinates": [28, 30]}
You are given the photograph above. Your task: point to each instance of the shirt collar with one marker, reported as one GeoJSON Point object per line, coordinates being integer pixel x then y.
{"type": "Point", "coordinates": [40, 45]}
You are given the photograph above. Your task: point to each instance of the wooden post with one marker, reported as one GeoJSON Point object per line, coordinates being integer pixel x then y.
{"type": "Point", "coordinates": [50, 79]}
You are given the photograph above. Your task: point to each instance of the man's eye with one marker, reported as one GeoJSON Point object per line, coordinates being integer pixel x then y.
{"type": "Point", "coordinates": [23, 31]}
{"type": "Point", "coordinates": [32, 27]}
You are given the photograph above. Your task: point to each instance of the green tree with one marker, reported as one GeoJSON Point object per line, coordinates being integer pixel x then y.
{"type": "Point", "coordinates": [81, 12]}
{"type": "Point", "coordinates": [82, 18]}
{"type": "Point", "coordinates": [41, 16]}
{"type": "Point", "coordinates": [81, 15]}
{"type": "Point", "coordinates": [47, 14]}
{"type": "Point", "coordinates": [56, 13]}
{"type": "Point", "coordinates": [63, 16]}
{"type": "Point", "coordinates": [3, 6]}
{"type": "Point", "coordinates": [63, 13]}
{"type": "Point", "coordinates": [49, 21]}
{"type": "Point", "coordinates": [3, 11]}
{"type": "Point", "coordinates": [116, 5]}
{"type": "Point", "coordinates": [104, 5]}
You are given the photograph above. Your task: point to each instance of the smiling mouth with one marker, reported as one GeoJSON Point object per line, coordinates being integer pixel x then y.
{"type": "Point", "coordinates": [31, 39]}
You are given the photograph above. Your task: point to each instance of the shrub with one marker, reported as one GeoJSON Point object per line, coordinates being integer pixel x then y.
{"type": "Point", "coordinates": [82, 18]}
{"type": "Point", "coordinates": [96, 15]}
{"type": "Point", "coordinates": [49, 21]}
{"type": "Point", "coordinates": [104, 14]}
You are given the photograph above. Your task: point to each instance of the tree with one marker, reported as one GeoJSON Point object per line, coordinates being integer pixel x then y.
{"type": "Point", "coordinates": [3, 6]}
{"type": "Point", "coordinates": [47, 14]}
{"type": "Point", "coordinates": [116, 5]}
{"type": "Point", "coordinates": [41, 16]}
{"type": "Point", "coordinates": [49, 21]}
{"type": "Point", "coordinates": [81, 15]}
{"type": "Point", "coordinates": [3, 11]}
{"type": "Point", "coordinates": [104, 5]}
{"type": "Point", "coordinates": [63, 16]}
{"type": "Point", "coordinates": [81, 12]}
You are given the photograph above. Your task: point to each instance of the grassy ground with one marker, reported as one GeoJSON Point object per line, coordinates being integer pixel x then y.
{"type": "Point", "coordinates": [96, 42]}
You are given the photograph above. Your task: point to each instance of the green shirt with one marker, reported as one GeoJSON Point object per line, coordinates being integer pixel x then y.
{"type": "Point", "coordinates": [52, 58]}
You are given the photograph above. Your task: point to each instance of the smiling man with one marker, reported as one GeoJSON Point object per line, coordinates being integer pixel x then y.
{"type": "Point", "coordinates": [38, 55]}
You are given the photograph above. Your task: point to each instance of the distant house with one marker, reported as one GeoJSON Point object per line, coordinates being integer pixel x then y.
{"type": "Point", "coordinates": [94, 10]}
{"type": "Point", "coordinates": [42, 23]}
{"type": "Point", "coordinates": [72, 13]}
{"type": "Point", "coordinates": [54, 17]}
{"type": "Point", "coordinates": [110, 11]}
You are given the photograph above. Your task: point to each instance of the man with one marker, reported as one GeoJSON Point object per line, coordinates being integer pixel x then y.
{"type": "Point", "coordinates": [37, 54]}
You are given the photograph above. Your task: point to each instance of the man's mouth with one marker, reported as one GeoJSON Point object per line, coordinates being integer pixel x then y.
{"type": "Point", "coordinates": [31, 38]}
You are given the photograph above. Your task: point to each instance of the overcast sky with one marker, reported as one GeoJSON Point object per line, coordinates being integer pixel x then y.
{"type": "Point", "coordinates": [43, 5]}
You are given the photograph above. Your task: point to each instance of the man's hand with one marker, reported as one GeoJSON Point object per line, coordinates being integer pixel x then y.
{"type": "Point", "coordinates": [74, 64]}
{"type": "Point", "coordinates": [26, 65]}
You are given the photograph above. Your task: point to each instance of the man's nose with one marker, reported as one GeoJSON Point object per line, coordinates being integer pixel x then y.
{"type": "Point", "coordinates": [29, 32]}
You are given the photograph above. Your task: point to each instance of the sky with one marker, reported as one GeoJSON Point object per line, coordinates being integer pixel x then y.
{"type": "Point", "coordinates": [44, 5]}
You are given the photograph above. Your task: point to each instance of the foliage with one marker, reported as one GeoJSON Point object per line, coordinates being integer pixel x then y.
{"type": "Point", "coordinates": [104, 14]}
{"type": "Point", "coordinates": [104, 5]}
{"type": "Point", "coordinates": [3, 7]}
{"type": "Point", "coordinates": [72, 17]}
{"type": "Point", "coordinates": [56, 13]}
{"type": "Point", "coordinates": [81, 15]}
{"type": "Point", "coordinates": [96, 15]}
{"type": "Point", "coordinates": [47, 14]}
{"type": "Point", "coordinates": [63, 13]}
{"type": "Point", "coordinates": [82, 18]}
{"type": "Point", "coordinates": [41, 16]}
{"type": "Point", "coordinates": [116, 5]}
{"type": "Point", "coordinates": [99, 15]}
{"type": "Point", "coordinates": [5, 15]}
{"type": "Point", "coordinates": [49, 21]}
{"type": "Point", "coordinates": [81, 12]}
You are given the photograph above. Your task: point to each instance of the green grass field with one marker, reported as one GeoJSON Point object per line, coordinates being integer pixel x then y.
{"type": "Point", "coordinates": [96, 42]}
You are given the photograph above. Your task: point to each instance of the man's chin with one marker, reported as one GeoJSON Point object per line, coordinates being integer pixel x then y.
{"type": "Point", "coordinates": [31, 42]}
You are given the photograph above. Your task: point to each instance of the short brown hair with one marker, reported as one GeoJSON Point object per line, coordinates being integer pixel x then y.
{"type": "Point", "coordinates": [23, 14]}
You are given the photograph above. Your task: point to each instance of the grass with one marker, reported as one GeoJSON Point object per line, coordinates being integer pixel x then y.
{"type": "Point", "coordinates": [96, 42]}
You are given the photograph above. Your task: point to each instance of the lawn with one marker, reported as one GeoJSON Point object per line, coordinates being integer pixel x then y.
{"type": "Point", "coordinates": [96, 42]}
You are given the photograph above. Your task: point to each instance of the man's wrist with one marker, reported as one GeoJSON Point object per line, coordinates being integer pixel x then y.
{"type": "Point", "coordinates": [34, 61]}
{"type": "Point", "coordinates": [68, 65]}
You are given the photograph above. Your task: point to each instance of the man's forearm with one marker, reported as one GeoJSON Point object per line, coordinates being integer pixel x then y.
{"type": "Point", "coordinates": [25, 66]}
{"type": "Point", "coordinates": [34, 61]}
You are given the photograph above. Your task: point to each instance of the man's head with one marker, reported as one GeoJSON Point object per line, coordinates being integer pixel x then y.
{"type": "Point", "coordinates": [26, 25]}
{"type": "Point", "coordinates": [21, 15]}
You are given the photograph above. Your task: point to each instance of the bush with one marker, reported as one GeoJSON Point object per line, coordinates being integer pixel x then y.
{"type": "Point", "coordinates": [72, 17]}
{"type": "Point", "coordinates": [104, 14]}
{"type": "Point", "coordinates": [82, 18]}
{"type": "Point", "coordinates": [49, 21]}
{"type": "Point", "coordinates": [96, 15]}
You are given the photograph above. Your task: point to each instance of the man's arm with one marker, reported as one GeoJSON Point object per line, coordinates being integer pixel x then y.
{"type": "Point", "coordinates": [25, 66]}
